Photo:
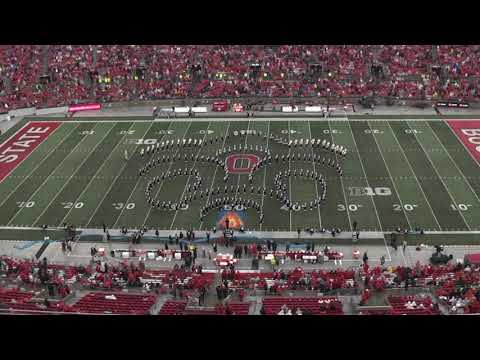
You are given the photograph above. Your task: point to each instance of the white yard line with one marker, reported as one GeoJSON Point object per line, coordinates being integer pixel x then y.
{"type": "Point", "coordinates": [459, 170]}
{"type": "Point", "coordinates": [365, 175]}
{"type": "Point", "coordinates": [163, 182]}
{"type": "Point", "coordinates": [116, 178]}
{"type": "Point", "coordinates": [436, 171]}
{"type": "Point", "coordinates": [341, 180]}
{"type": "Point", "coordinates": [98, 171]}
{"type": "Point", "coordinates": [289, 178]}
{"type": "Point", "coordinates": [366, 179]}
{"type": "Point", "coordinates": [314, 169]}
{"type": "Point", "coordinates": [87, 156]}
{"type": "Point", "coordinates": [415, 175]}
{"type": "Point", "coordinates": [39, 164]}
{"type": "Point", "coordinates": [265, 172]}
{"type": "Point", "coordinates": [49, 176]}
{"type": "Point", "coordinates": [215, 172]}
{"type": "Point", "coordinates": [189, 176]}
{"type": "Point", "coordinates": [239, 175]}
{"type": "Point", "coordinates": [390, 175]}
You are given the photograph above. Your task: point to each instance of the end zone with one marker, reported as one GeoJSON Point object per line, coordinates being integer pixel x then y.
{"type": "Point", "coordinates": [21, 144]}
{"type": "Point", "coordinates": [468, 132]}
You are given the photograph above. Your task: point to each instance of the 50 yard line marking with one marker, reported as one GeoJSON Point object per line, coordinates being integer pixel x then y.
{"type": "Point", "coordinates": [414, 175]}
{"type": "Point", "coordinates": [215, 173]}
{"type": "Point", "coordinates": [70, 178]}
{"type": "Point", "coordinates": [243, 150]}
{"type": "Point", "coordinates": [118, 175]}
{"type": "Point", "coordinates": [436, 171]}
{"type": "Point", "coordinates": [48, 177]}
{"type": "Point", "coordinates": [265, 172]}
{"type": "Point", "coordinates": [314, 169]}
{"type": "Point", "coordinates": [189, 176]}
{"type": "Point", "coordinates": [39, 164]}
{"type": "Point", "coordinates": [389, 174]}
{"type": "Point", "coordinates": [93, 177]}
{"type": "Point", "coordinates": [139, 178]}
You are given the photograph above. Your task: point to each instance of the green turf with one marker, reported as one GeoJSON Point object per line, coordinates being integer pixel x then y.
{"type": "Point", "coordinates": [417, 174]}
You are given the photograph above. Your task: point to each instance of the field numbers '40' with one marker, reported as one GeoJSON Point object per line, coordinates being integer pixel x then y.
{"type": "Point", "coordinates": [120, 206]}
{"type": "Point", "coordinates": [87, 132]}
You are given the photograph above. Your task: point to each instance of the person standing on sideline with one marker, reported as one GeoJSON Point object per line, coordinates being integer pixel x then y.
{"type": "Point", "coordinates": [404, 245]}
{"type": "Point", "coordinates": [354, 226]}
{"type": "Point", "coordinates": [104, 227]}
{"type": "Point", "coordinates": [365, 258]}
{"type": "Point", "coordinates": [382, 260]}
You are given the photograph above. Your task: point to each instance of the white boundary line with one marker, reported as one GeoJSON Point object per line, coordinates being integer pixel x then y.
{"type": "Point", "coordinates": [189, 176]}
{"type": "Point", "coordinates": [436, 171]}
{"type": "Point", "coordinates": [93, 177]}
{"type": "Point", "coordinates": [39, 164]}
{"type": "Point", "coordinates": [265, 172]}
{"type": "Point", "coordinates": [314, 169]}
{"type": "Point", "coordinates": [49, 176]}
{"type": "Point", "coordinates": [215, 173]}
{"type": "Point", "coordinates": [116, 178]}
{"type": "Point", "coordinates": [450, 156]}
{"type": "Point", "coordinates": [341, 179]}
{"type": "Point", "coordinates": [380, 149]}
{"type": "Point", "coordinates": [87, 156]}
{"type": "Point", "coordinates": [414, 175]}
{"type": "Point", "coordinates": [266, 117]}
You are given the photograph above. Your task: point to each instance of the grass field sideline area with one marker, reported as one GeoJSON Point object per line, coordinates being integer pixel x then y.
{"type": "Point", "coordinates": [399, 172]}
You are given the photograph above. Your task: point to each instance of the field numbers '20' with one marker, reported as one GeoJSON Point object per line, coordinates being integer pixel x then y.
{"type": "Point", "coordinates": [25, 204]}
{"type": "Point", "coordinates": [351, 207]}
{"type": "Point", "coordinates": [408, 207]}
{"type": "Point", "coordinates": [70, 205]}
{"type": "Point", "coordinates": [120, 206]}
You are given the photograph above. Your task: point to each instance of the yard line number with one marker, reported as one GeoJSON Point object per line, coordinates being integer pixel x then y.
{"type": "Point", "coordinates": [120, 206]}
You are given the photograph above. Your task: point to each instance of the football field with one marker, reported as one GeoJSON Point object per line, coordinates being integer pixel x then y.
{"type": "Point", "coordinates": [405, 173]}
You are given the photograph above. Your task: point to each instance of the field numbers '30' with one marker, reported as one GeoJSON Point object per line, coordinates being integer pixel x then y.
{"type": "Point", "coordinates": [120, 206]}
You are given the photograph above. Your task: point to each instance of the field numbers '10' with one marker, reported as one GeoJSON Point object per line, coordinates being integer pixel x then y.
{"type": "Point", "coordinates": [120, 206]}
{"type": "Point", "coordinates": [461, 207]}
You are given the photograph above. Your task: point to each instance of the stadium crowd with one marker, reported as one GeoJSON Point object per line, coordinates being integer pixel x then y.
{"type": "Point", "coordinates": [59, 75]}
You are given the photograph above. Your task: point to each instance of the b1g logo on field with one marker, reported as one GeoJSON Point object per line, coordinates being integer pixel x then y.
{"type": "Point", "coordinates": [241, 163]}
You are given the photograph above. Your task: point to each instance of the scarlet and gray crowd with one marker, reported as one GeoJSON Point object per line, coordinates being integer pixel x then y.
{"type": "Point", "coordinates": [108, 73]}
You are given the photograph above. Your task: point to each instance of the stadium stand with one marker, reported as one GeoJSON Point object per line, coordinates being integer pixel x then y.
{"type": "Point", "coordinates": [46, 76]}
